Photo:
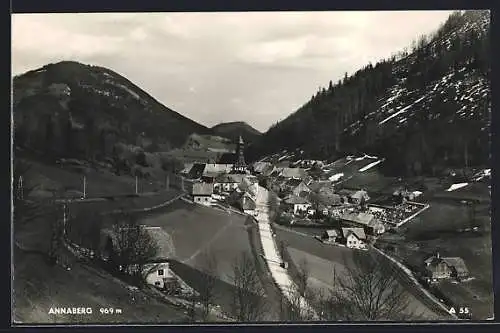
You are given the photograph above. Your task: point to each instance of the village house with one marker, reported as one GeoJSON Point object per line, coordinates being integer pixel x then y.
{"type": "Point", "coordinates": [439, 268]}
{"type": "Point", "coordinates": [367, 221]}
{"type": "Point", "coordinates": [196, 171]}
{"type": "Point", "coordinates": [227, 183]}
{"type": "Point", "coordinates": [296, 173]}
{"type": "Point", "coordinates": [155, 271]}
{"type": "Point", "coordinates": [260, 168]}
{"type": "Point", "coordinates": [354, 238]}
{"type": "Point", "coordinates": [297, 204]}
{"type": "Point", "coordinates": [296, 186]}
{"type": "Point", "coordinates": [330, 236]}
{"type": "Point", "coordinates": [359, 196]}
{"type": "Point", "coordinates": [402, 195]}
{"type": "Point", "coordinates": [202, 193]}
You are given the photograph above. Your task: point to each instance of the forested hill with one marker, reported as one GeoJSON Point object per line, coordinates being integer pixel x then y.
{"type": "Point", "coordinates": [77, 110]}
{"type": "Point", "coordinates": [421, 109]}
{"type": "Point", "coordinates": [233, 130]}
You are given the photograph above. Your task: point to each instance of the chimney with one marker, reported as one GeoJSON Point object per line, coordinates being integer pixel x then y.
{"type": "Point", "coordinates": [437, 255]}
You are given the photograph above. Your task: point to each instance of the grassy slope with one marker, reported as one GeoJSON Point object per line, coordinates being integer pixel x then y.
{"type": "Point", "coordinates": [38, 286]}
{"type": "Point", "coordinates": [322, 259]}
{"type": "Point", "coordinates": [195, 229]}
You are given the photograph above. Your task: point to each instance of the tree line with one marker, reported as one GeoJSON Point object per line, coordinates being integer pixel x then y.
{"type": "Point", "coordinates": [322, 126]}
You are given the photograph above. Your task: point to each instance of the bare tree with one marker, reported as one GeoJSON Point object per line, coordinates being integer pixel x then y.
{"type": "Point", "coordinates": [273, 204]}
{"type": "Point", "coordinates": [248, 301]}
{"type": "Point", "coordinates": [207, 289]}
{"type": "Point", "coordinates": [368, 291]}
{"type": "Point", "coordinates": [134, 245]}
{"type": "Point", "coordinates": [300, 295]}
{"type": "Point", "coordinates": [302, 277]}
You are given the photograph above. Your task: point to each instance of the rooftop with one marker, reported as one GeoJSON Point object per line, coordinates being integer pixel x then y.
{"type": "Point", "coordinates": [295, 200]}
{"type": "Point", "coordinates": [202, 189]}
{"type": "Point", "coordinates": [358, 232]}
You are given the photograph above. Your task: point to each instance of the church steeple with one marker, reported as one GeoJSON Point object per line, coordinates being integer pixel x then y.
{"type": "Point", "coordinates": [240, 165]}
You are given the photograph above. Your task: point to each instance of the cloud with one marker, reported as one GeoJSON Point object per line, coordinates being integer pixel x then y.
{"type": "Point", "coordinates": [252, 66]}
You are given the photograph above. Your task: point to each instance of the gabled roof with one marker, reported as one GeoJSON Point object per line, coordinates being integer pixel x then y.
{"type": "Point", "coordinates": [295, 200]}
{"type": "Point", "coordinates": [360, 194]}
{"type": "Point", "coordinates": [458, 263]}
{"type": "Point", "coordinates": [202, 189]}
{"type": "Point", "coordinates": [361, 218]}
{"type": "Point", "coordinates": [315, 186]}
{"type": "Point", "coordinates": [261, 166]}
{"type": "Point", "coordinates": [293, 182]}
{"type": "Point", "coordinates": [332, 233]}
{"type": "Point", "coordinates": [228, 158]}
{"type": "Point", "coordinates": [225, 178]}
{"type": "Point", "coordinates": [455, 262]}
{"type": "Point", "coordinates": [197, 170]}
{"type": "Point", "coordinates": [293, 173]}
{"type": "Point", "coordinates": [217, 168]}
{"type": "Point", "coordinates": [358, 232]}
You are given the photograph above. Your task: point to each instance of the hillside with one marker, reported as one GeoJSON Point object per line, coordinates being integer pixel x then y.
{"type": "Point", "coordinates": [74, 110]}
{"type": "Point", "coordinates": [233, 130]}
{"type": "Point", "coordinates": [422, 110]}
{"type": "Point", "coordinates": [208, 142]}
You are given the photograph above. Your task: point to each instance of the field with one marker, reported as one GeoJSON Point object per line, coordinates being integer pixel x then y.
{"type": "Point", "coordinates": [446, 228]}
{"type": "Point", "coordinates": [195, 230]}
{"type": "Point", "coordinates": [62, 181]}
{"type": "Point", "coordinates": [322, 260]}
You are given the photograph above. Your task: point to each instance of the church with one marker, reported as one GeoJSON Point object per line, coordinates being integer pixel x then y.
{"type": "Point", "coordinates": [236, 159]}
{"type": "Point", "coordinates": [239, 165]}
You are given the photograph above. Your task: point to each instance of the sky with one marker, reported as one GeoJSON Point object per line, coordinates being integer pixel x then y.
{"type": "Point", "coordinates": [256, 67]}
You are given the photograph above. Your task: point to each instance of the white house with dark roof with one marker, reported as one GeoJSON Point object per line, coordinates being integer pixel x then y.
{"type": "Point", "coordinates": [438, 268]}
{"type": "Point", "coordinates": [227, 183]}
{"type": "Point", "coordinates": [202, 193]}
{"type": "Point", "coordinates": [355, 238]}
{"type": "Point", "coordinates": [299, 204]}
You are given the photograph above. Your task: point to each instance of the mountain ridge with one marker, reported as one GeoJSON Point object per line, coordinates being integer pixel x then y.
{"type": "Point", "coordinates": [234, 129]}
{"type": "Point", "coordinates": [99, 103]}
{"type": "Point", "coordinates": [396, 107]}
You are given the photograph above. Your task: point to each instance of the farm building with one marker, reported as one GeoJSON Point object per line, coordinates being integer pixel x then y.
{"type": "Point", "coordinates": [155, 271]}
{"type": "Point", "coordinates": [298, 204]}
{"type": "Point", "coordinates": [438, 268]}
{"type": "Point", "coordinates": [405, 195]}
{"type": "Point", "coordinates": [359, 196]}
{"type": "Point", "coordinates": [261, 167]}
{"type": "Point", "coordinates": [354, 238]}
{"type": "Point", "coordinates": [297, 173]}
{"type": "Point", "coordinates": [227, 183]}
{"type": "Point", "coordinates": [330, 236]}
{"type": "Point", "coordinates": [367, 221]}
{"type": "Point", "coordinates": [202, 193]}
{"type": "Point", "coordinates": [196, 171]}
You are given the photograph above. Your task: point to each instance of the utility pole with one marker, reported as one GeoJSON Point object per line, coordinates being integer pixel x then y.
{"type": "Point", "coordinates": [167, 185]}
{"type": "Point", "coordinates": [136, 184]}
{"type": "Point", "coordinates": [20, 190]}
{"type": "Point", "coordinates": [334, 275]}
{"type": "Point", "coordinates": [84, 186]}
